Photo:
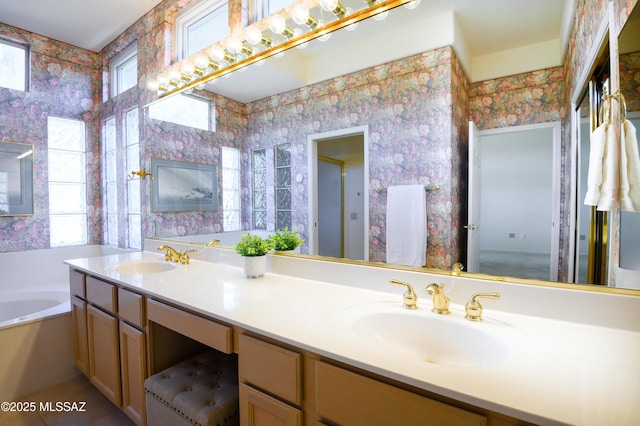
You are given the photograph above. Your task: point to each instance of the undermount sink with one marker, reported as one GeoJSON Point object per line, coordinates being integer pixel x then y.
{"type": "Point", "coordinates": [427, 337]}
{"type": "Point", "coordinates": [142, 267]}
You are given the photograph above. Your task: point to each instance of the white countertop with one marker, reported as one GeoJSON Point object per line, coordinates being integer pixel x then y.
{"type": "Point", "coordinates": [558, 372]}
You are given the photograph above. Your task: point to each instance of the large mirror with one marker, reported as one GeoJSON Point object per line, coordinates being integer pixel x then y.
{"type": "Point", "coordinates": [411, 137]}
{"type": "Point", "coordinates": [16, 179]}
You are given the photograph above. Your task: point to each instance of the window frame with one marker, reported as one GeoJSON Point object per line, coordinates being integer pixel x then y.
{"type": "Point", "coordinates": [190, 16]}
{"type": "Point", "coordinates": [117, 63]}
{"type": "Point", "coordinates": [27, 61]}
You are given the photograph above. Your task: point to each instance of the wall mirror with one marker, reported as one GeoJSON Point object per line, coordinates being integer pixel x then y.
{"type": "Point", "coordinates": [16, 179]}
{"type": "Point", "coordinates": [318, 62]}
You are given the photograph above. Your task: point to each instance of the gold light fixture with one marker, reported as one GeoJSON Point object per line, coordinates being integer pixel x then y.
{"type": "Point", "coordinates": [294, 27]}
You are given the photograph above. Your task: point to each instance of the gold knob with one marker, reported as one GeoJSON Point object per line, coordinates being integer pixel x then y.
{"type": "Point", "coordinates": [473, 308]}
{"type": "Point", "coordinates": [410, 298]}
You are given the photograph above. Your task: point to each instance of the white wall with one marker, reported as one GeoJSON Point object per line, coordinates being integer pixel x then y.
{"type": "Point", "coordinates": [516, 191]}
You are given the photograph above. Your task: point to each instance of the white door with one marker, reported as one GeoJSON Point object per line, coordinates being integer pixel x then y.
{"type": "Point", "coordinates": [473, 216]}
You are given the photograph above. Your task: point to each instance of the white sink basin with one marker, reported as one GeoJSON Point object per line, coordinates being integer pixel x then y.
{"type": "Point", "coordinates": [424, 336]}
{"type": "Point", "coordinates": [142, 267]}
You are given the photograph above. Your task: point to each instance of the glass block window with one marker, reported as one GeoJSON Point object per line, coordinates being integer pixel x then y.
{"type": "Point", "coordinates": [201, 25]}
{"type": "Point", "coordinates": [67, 182]}
{"type": "Point", "coordinates": [259, 160]}
{"type": "Point", "coordinates": [231, 188]}
{"type": "Point", "coordinates": [132, 141]}
{"type": "Point", "coordinates": [186, 111]}
{"type": "Point", "coordinates": [124, 70]}
{"type": "Point", "coordinates": [14, 65]}
{"type": "Point", "coordinates": [111, 179]}
{"type": "Point", "coordinates": [283, 186]}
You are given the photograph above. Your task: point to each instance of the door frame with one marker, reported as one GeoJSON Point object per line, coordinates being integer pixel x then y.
{"type": "Point", "coordinates": [556, 127]}
{"type": "Point", "coordinates": [312, 180]}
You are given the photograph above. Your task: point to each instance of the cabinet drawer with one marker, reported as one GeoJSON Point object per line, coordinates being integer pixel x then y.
{"type": "Point", "coordinates": [213, 334]}
{"type": "Point", "coordinates": [102, 294]}
{"type": "Point", "coordinates": [346, 397]}
{"type": "Point", "coordinates": [270, 367]}
{"type": "Point", "coordinates": [131, 307]}
{"type": "Point", "coordinates": [76, 284]}
{"type": "Point", "coordinates": [257, 408]}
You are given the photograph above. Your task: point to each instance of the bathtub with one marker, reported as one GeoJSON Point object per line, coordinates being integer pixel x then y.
{"type": "Point", "coordinates": [36, 348]}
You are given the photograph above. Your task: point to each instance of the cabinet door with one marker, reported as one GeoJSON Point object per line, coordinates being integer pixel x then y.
{"type": "Point", "coordinates": [258, 409]}
{"type": "Point", "coordinates": [133, 368]}
{"type": "Point", "coordinates": [104, 357]}
{"type": "Point", "coordinates": [79, 322]}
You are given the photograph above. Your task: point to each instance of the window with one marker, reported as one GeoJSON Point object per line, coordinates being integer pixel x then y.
{"type": "Point", "coordinates": [231, 188]}
{"type": "Point", "coordinates": [259, 189]}
{"type": "Point", "coordinates": [67, 182]}
{"type": "Point", "coordinates": [14, 65]}
{"type": "Point", "coordinates": [124, 70]}
{"type": "Point", "coordinates": [259, 9]}
{"type": "Point", "coordinates": [134, 217]}
{"type": "Point", "coordinates": [111, 178]}
{"type": "Point", "coordinates": [200, 26]}
{"type": "Point", "coordinates": [283, 186]}
{"type": "Point", "coordinates": [185, 110]}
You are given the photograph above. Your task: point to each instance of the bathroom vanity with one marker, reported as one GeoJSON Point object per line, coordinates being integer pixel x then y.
{"type": "Point", "coordinates": [341, 349]}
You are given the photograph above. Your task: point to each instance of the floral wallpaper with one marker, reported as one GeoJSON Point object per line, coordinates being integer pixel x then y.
{"type": "Point", "coordinates": [64, 83]}
{"type": "Point", "coordinates": [408, 107]}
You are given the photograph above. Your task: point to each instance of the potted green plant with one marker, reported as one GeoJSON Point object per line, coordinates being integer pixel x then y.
{"type": "Point", "coordinates": [285, 240]}
{"type": "Point", "coordinates": [253, 249]}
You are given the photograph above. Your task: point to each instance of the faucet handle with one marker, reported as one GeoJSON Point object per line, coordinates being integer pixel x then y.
{"type": "Point", "coordinates": [169, 255]}
{"type": "Point", "coordinates": [473, 308]}
{"type": "Point", "coordinates": [457, 268]}
{"type": "Point", "coordinates": [184, 259]}
{"type": "Point", "coordinates": [440, 300]}
{"type": "Point", "coordinates": [410, 298]}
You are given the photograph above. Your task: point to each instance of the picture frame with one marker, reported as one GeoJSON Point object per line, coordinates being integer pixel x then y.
{"type": "Point", "coordinates": [16, 179]}
{"type": "Point", "coordinates": [179, 186]}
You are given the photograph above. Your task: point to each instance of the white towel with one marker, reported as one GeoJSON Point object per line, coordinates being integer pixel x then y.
{"type": "Point", "coordinates": [610, 188]}
{"type": "Point", "coordinates": [629, 169]}
{"type": "Point", "coordinates": [594, 175]}
{"type": "Point", "coordinates": [407, 225]}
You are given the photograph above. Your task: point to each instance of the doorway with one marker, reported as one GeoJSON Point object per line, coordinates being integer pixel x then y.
{"type": "Point", "coordinates": [338, 194]}
{"type": "Point", "coordinates": [514, 182]}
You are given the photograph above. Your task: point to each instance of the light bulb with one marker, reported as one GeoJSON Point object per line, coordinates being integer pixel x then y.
{"type": "Point", "coordinates": [300, 14]}
{"type": "Point", "coordinates": [234, 45]}
{"type": "Point", "coordinates": [187, 68]}
{"type": "Point", "coordinates": [277, 24]}
{"type": "Point", "coordinates": [153, 85]}
{"type": "Point", "coordinates": [201, 61]}
{"type": "Point", "coordinates": [253, 35]}
{"type": "Point", "coordinates": [351, 27]}
{"type": "Point", "coordinates": [174, 75]}
{"type": "Point", "coordinates": [216, 53]}
{"type": "Point", "coordinates": [328, 5]}
{"type": "Point", "coordinates": [412, 4]}
{"type": "Point", "coordinates": [324, 37]}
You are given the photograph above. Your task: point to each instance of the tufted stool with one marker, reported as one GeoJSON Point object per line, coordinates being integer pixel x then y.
{"type": "Point", "coordinates": [200, 391]}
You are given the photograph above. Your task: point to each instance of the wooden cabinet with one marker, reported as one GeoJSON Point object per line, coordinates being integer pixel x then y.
{"type": "Point", "coordinates": [271, 383]}
{"type": "Point", "coordinates": [80, 345]}
{"type": "Point", "coordinates": [109, 332]}
{"type": "Point", "coordinates": [133, 371]}
{"type": "Point", "coordinates": [104, 357]}
{"type": "Point", "coordinates": [346, 397]}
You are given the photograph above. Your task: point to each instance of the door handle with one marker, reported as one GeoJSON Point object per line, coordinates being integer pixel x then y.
{"type": "Point", "coordinates": [471, 227]}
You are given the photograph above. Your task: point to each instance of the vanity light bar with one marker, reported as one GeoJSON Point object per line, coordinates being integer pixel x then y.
{"type": "Point", "coordinates": [178, 81]}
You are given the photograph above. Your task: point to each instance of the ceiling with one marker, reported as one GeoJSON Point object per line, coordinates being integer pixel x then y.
{"type": "Point", "coordinates": [475, 29]}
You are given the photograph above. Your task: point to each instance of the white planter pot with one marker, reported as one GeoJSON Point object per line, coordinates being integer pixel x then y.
{"type": "Point", "coordinates": [254, 266]}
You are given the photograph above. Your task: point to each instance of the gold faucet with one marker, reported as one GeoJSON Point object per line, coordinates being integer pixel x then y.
{"type": "Point", "coordinates": [177, 256]}
{"type": "Point", "coordinates": [212, 243]}
{"type": "Point", "coordinates": [457, 268]}
{"type": "Point", "coordinates": [473, 308]}
{"type": "Point", "coordinates": [409, 297]}
{"type": "Point", "coordinates": [440, 300]}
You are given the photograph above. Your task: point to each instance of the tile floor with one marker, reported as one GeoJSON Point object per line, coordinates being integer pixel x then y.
{"type": "Point", "coordinates": [98, 410]}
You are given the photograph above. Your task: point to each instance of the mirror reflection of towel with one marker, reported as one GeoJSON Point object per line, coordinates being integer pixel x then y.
{"type": "Point", "coordinates": [596, 153]}
{"type": "Point", "coordinates": [629, 169]}
{"type": "Point", "coordinates": [406, 225]}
